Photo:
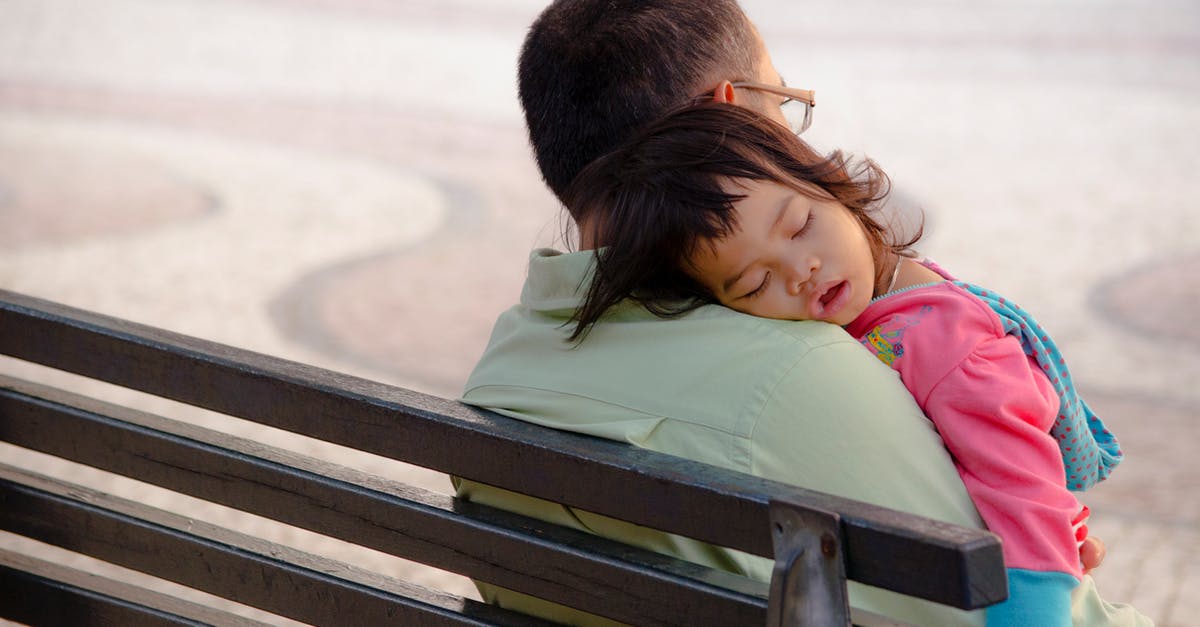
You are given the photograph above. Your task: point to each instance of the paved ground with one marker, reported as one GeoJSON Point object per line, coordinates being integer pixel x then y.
{"type": "Point", "coordinates": [347, 183]}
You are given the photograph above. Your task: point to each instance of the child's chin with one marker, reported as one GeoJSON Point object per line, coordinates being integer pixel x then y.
{"type": "Point", "coordinates": [848, 315]}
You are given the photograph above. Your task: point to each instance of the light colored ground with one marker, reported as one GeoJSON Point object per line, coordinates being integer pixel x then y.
{"type": "Point", "coordinates": [347, 184]}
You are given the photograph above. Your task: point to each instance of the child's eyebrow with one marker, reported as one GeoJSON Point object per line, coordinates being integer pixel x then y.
{"type": "Point", "coordinates": [783, 205]}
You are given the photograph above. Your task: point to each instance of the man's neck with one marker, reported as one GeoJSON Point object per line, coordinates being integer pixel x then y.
{"type": "Point", "coordinates": [587, 236]}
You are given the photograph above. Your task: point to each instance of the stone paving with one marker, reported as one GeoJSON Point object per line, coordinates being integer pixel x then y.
{"type": "Point", "coordinates": [346, 183]}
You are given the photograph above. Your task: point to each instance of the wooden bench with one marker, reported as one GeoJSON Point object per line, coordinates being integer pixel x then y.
{"type": "Point", "coordinates": [816, 540]}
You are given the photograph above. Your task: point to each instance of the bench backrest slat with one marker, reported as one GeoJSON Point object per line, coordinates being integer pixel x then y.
{"type": "Point", "coordinates": [242, 568]}
{"type": "Point", "coordinates": [54, 594]}
{"type": "Point", "coordinates": [674, 495]}
{"type": "Point", "coordinates": [473, 540]}
{"type": "Point", "coordinates": [46, 601]}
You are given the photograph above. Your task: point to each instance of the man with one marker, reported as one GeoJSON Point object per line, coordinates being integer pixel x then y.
{"type": "Point", "coordinates": [799, 402]}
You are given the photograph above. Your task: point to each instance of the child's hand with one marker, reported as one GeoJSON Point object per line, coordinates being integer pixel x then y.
{"type": "Point", "coordinates": [1091, 553]}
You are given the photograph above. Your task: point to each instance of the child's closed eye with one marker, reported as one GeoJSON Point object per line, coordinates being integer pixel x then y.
{"type": "Point", "coordinates": [808, 220]}
{"type": "Point", "coordinates": [762, 287]}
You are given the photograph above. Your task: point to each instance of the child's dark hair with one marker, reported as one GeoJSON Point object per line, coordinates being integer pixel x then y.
{"type": "Point", "coordinates": [653, 201]}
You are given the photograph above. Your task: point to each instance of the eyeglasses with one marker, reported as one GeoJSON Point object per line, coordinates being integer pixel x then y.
{"type": "Point", "coordinates": [797, 108]}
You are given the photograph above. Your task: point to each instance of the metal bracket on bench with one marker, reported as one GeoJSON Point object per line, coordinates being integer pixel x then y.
{"type": "Point", "coordinates": [808, 586]}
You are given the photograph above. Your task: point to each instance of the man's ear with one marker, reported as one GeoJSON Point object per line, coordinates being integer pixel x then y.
{"type": "Point", "coordinates": [725, 92]}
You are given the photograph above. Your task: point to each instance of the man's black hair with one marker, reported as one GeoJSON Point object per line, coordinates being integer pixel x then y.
{"type": "Point", "coordinates": [592, 72]}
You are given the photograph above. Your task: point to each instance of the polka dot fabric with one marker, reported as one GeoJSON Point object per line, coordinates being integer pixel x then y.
{"type": "Point", "coordinates": [1089, 450]}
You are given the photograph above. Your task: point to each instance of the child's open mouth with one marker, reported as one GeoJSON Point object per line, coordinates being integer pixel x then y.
{"type": "Point", "coordinates": [830, 300]}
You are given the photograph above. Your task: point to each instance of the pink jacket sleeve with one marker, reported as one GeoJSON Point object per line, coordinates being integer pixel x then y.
{"type": "Point", "coordinates": [994, 413]}
{"type": "Point", "coordinates": [993, 408]}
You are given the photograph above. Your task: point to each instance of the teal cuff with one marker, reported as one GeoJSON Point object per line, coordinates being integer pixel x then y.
{"type": "Point", "coordinates": [1034, 598]}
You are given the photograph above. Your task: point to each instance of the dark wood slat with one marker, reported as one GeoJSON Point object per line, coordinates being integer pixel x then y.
{"type": "Point", "coordinates": [673, 494]}
{"type": "Point", "coordinates": [53, 594]}
{"type": "Point", "coordinates": [241, 568]}
{"type": "Point", "coordinates": [520, 553]}
{"type": "Point", "coordinates": [49, 602]}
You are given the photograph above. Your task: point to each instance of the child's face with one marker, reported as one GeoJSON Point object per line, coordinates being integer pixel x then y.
{"type": "Point", "coordinates": [792, 257]}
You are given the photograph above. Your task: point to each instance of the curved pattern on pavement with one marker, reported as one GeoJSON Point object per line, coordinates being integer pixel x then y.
{"type": "Point", "coordinates": [412, 314]}
{"type": "Point", "coordinates": [57, 192]}
{"type": "Point", "coordinates": [364, 310]}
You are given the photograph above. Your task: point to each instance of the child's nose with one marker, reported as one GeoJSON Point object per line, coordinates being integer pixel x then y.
{"type": "Point", "coordinates": [801, 272]}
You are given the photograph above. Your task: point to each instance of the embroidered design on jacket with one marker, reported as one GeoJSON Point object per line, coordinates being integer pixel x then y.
{"type": "Point", "coordinates": [885, 340]}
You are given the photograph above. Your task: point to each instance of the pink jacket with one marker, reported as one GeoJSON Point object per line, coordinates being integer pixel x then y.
{"type": "Point", "coordinates": [993, 407]}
